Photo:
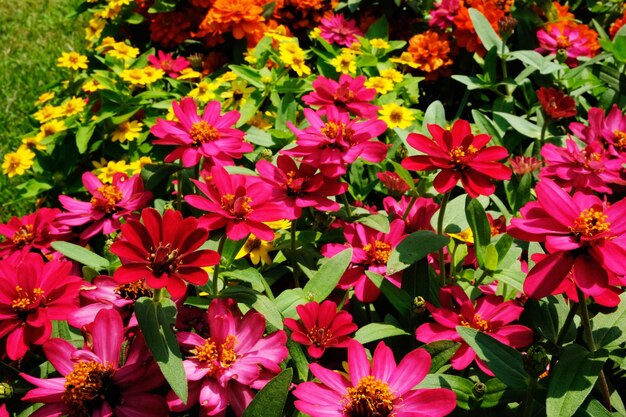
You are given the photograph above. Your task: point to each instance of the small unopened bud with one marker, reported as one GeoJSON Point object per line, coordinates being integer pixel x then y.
{"type": "Point", "coordinates": [6, 391]}
{"type": "Point", "coordinates": [402, 152]}
{"type": "Point", "coordinates": [536, 360]}
{"type": "Point", "coordinates": [196, 61]}
{"type": "Point", "coordinates": [506, 26]}
{"type": "Point", "coordinates": [419, 305]}
{"type": "Point", "coordinates": [561, 55]}
{"type": "Point", "coordinates": [266, 154]}
{"type": "Point", "coordinates": [479, 389]}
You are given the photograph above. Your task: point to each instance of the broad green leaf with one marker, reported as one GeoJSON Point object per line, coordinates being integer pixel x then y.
{"type": "Point", "coordinates": [380, 29]}
{"type": "Point", "coordinates": [378, 222]}
{"type": "Point", "coordinates": [377, 331]}
{"type": "Point", "coordinates": [270, 401]}
{"type": "Point", "coordinates": [299, 359]}
{"type": "Point", "coordinates": [487, 125]}
{"type": "Point", "coordinates": [249, 109]}
{"type": "Point", "coordinates": [250, 75]}
{"type": "Point", "coordinates": [441, 352]}
{"type": "Point", "coordinates": [398, 298]}
{"type": "Point", "coordinates": [593, 408]}
{"type": "Point", "coordinates": [249, 275]}
{"type": "Point", "coordinates": [435, 114]}
{"type": "Point", "coordinates": [154, 175]}
{"type": "Point", "coordinates": [490, 258]}
{"type": "Point", "coordinates": [521, 125]}
{"type": "Point", "coordinates": [485, 32]}
{"type": "Point", "coordinates": [504, 361]}
{"type": "Point", "coordinates": [413, 248]}
{"type": "Point", "coordinates": [462, 387]}
{"type": "Point", "coordinates": [325, 280]}
{"type": "Point", "coordinates": [288, 300]}
{"type": "Point", "coordinates": [156, 321]}
{"type": "Point", "coordinates": [455, 219]}
{"type": "Point", "coordinates": [610, 329]}
{"type": "Point", "coordinates": [574, 376]}
{"type": "Point", "coordinates": [83, 135]}
{"type": "Point", "coordinates": [495, 394]}
{"type": "Point", "coordinates": [258, 301]}
{"type": "Point", "coordinates": [80, 254]}
{"type": "Point", "coordinates": [548, 316]}
{"type": "Point", "coordinates": [479, 223]}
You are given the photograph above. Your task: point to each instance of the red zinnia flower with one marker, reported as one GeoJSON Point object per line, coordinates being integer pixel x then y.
{"type": "Point", "coordinates": [348, 94]}
{"type": "Point", "coordinates": [419, 216]}
{"type": "Point", "coordinates": [32, 294]}
{"type": "Point", "coordinates": [394, 183]}
{"type": "Point", "coordinates": [556, 104]}
{"type": "Point", "coordinates": [163, 252]}
{"type": "Point", "coordinates": [336, 29]}
{"type": "Point", "coordinates": [321, 326]}
{"type": "Point", "coordinates": [167, 63]}
{"type": "Point", "coordinates": [524, 164]}
{"type": "Point", "coordinates": [460, 156]}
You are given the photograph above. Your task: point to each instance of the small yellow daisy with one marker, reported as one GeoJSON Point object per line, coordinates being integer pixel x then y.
{"type": "Point", "coordinates": [396, 116]}
{"type": "Point", "coordinates": [379, 43]}
{"type": "Point", "coordinates": [392, 74]}
{"type": "Point", "coordinates": [72, 60]}
{"type": "Point", "coordinates": [127, 131]}
{"type": "Point", "coordinates": [73, 106]}
{"type": "Point", "coordinates": [382, 85]}
{"type": "Point", "coordinates": [345, 63]}
{"type": "Point", "coordinates": [45, 97]}
{"type": "Point", "coordinates": [16, 163]}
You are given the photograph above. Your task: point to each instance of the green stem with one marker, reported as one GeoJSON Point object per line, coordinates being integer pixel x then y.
{"type": "Point", "coordinates": [568, 322]}
{"type": "Point", "coordinates": [179, 189]}
{"type": "Point", "coordinates": [542, 138]}
{"type": "Point", "coordinates": [9, 368]}
{"type": "Point", "coordinates": [410, 206]}
{"type": "Point", "coordinates": [157, 295]}
{"type": "Point", "coordinates": [344, 198]}
{"type": "Point", "coordinates": [528, 402]}
{"type": "Point", "coordinates": [442, 261]}
{"type": "Point", "coordinates": [216, 271]}
{"type": "Point", "coordinates": [294, 261]}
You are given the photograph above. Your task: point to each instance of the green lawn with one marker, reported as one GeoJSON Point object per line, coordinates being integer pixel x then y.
{"type": "Point", "coordinates": [33, 33]}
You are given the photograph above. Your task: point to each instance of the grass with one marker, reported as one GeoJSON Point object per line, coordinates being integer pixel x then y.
{"type": "Point", "coordinates": [33, 33]}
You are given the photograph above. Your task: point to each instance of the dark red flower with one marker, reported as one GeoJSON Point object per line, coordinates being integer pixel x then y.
{"type": "Point", "coordinates": [556, 104]}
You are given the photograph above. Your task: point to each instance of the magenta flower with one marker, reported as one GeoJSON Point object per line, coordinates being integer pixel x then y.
{"type": "Point", "coordinates": [167, 63]}
{"type": "Point", "coordinates": [32, 294]}
{"type": "Point", "coordinates": [337, 142]}
{"type": "Point", "coordinates": [163, 251]}
{"type": "Point", "coordinates": [240, 202]}
{"type": "Point", "coordinates": [348, 94]}
{"type": "Point", "coordinates": [296, 187]}
{"type": "Point", "coordinates": [94, 382]}
{"type": "Point", "coordinates": [371, 250]}
{"type": "Point", "coordinates": [109, 203]}
{"type": "Point", "coordinates": [381, 388]}
{"type": "Point", "coordinates": [580, 232]}
{"type": "Point", "coordinates": [573, 40]}
{"type": "Point", "coordinates": [419, 216]}
{"type": "Point", "coordinates": [335, 29]}
{"type": "Point", "coordinates": [32, 232]}
{"type": "Point", "coordinates": [442, 16]}
{"type": "Point", "coordinates": [232, 359]}
{"type": "Point", "coordinates": [460, 156]}
{"type": "Point", "coordinates": [609, 130]}
{"type": "Point", "coordinates": [489, 314]}
{"type": "Point", "coordinates": [321, 326]}
{"type": "Point", "coordinates": [210, 136]}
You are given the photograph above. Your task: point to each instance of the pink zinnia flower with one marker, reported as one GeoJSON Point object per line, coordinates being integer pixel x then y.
{"type": "Point", "coordinates": [31, 232]}
{"type": "Point", "coordinates": [379, 388]}
{"type": "Point", "coordinates": [163, 251]}
{"type": "Point", "coordinates": [335, 29]}
{"type": "Point", "coordinates": [442, 16]}
{"type": "Point", "coordinates": [572, 39]}
{"type": "Point", "coordinates": [609, 130]}
{"type": "Point", "coordinates": [337, 142]}
{"type": "Point", "coordinates": [167, 63]}
{"type": "Point", "coordinates": [296, 186]}
{"type": "Point", "coordinates": [419, 216]}
{"type": "Point", "coordinates": [94, 382]}
{"type": "Point", "coordinates": [371, 250]}
{"type": "Point", "coordinates": [348, 94]}
{"type": "Point", "coordinates": [240, 202]}
{"type": "Point", "coordinates": [580, 232]}
{"type": "Point", "coordinates": [489, 314]}
{"type": "Point", "coordinates": [521, 165]}
{"type": "Point", "coordinates": [460, 156]}
{"type": "Point", "coordinates": [232, 359]}
{"type": "Point", "coordinates": [32, 294]}
{"type": "Point", "coordinates": [393, 182]}
{"type": "Point", "coordinates": [321, 326]}
{"type": "Point", "coordinates": [109, 203]}
{"type": "Point", "coordinates": [210, 136]}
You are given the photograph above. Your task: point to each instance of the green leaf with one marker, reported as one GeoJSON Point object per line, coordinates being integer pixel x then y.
{"type": "Point", "coordinates": [504, 361]}
{"type": "Point", "coordinates": [479, 223]}
{"type": "Point", "coordinates": [154, 175]}
{"type": "Point", "coordinates": [376, 331]}
{"type": "Point", "coordinates": [249, 275]}
{"type": "Point", "coordinates": [574, 376]}
{"type": "Point", "coordinates": [485, 32]}
{"type": "Point", "coordinates": [593, 408]}
{"type": "Point", "coordinates": [380, 29]}
{"type": "Point", "coordinates": [435, 114]}
{"type": "Point", "coordinates": [299, 359]}
{"type": "Point", "coordinates": [413, 248]}
{"type": "Point", "coordinates": [610, 329]}
{"type": "Point", "coordinates": [259, 302]}
{"type": "Point", "coordinates": [441, 352]}
{"type": "Point", "coordinates": [270, 401]}
{"type": "Point", "coordinates": [156, 321]}
{"type": "Point", "coordinates": [462, 387]}
{"type": "Point", "coordinates": [521, 125]}
{"type": "Point", "coordinates": [399, 298]}
{"type": "Point", "coordinates": [325, 280]}
{"type": "Point", "coordinates": [251, 76]}
{"type": "Point", "coordinates": [378, 222]}
{"type": "Point", "coordinates": [487, 125]}
{"type": "Point", "coordinates": [495, 393]}
{"type": "Point", "coordinates": [80, 254]}
{"type": "Point", "coordinates": [548, 316]}
{"type": "Point", "coordinates": [83, 135]}
{"type": "Point", "coordinates": [288, 300]}
{"type": "Point", "coordinates": [490, 258]}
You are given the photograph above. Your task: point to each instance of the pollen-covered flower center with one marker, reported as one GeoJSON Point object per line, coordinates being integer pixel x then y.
{"type": "Point", "coordinates": [343, 96]}
{"type": "Point", "coordinates": [107, 198]}
{"type": "Point", "coordinates": [370, 398]}
{"type": "Point", "coordinates": [590, 223]}
{"type": "Point", "coordinates": [133, 290]}
{"type": "Point", "coordinates": [378, 253]}
{"type": "Point", "coordinates": [164, 260]}
{"type": "Point", "coordinates": [26, 301]}
{"type": "Point", "coordinates": [339, 130]}
{"type": "Point", "coordinates": [23, 236]}
{"type": "Point", "coordinates": [202, 132]}
{"type": "Point", "coordinates": [396, 116]}
{"type": "Point", "coordinates": [216, 357]}
{"type": "Point", "coordinates": [460, 153]}
{"type": "Point", "coordinates": [237, 206]}
{"type": "Point", "coordinates": [319, 336]}
{"type": "Point", "coordinates": [562, 42]}
{"type": "Point", "coordinates": [86, 386]}
{"type": "Point", "coordinates": [294, 184]}
{"type": "Point", "coordinates": [619, 139]}
{"type": "Point", "coordinates": [477, 323]}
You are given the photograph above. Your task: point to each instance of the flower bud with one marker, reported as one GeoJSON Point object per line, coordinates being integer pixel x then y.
{"type": "Point", "coordinates": [536, 360]}
{"type": "Point", "coordinates": [6, 391]}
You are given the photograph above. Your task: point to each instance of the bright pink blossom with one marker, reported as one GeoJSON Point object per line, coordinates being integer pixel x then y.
{"type": "Point", "coordinates": [210, 136]}
{"type": "Point", "coordinates": [163, 251]}
{"type": "Point", "coordinates": [167, 63]}
{"type": "Point", "coordinates": [32, 232]}
{"type": "Point", "coordinates": [229, 361]}
{"type": "Point", "coordinates": [460, 156]}
{"type": "Point", "coordinates": [581, 233]}
{"type": "Point", "coordinates": [419, 216]}
{"type": "Point", "coordinates": [348, 94]}
{"type": "Point", "coordinates": [573, 40]}
{"type": "Point", "coordinates": [379, 388]}
{"type": "Point", "coordinates": [333, 144]}
{"type": "Point", "coordinates": [609, 130]}
{"type": "Point", "coordinates": [95, 382]}
{"type": "Point", "coordinates": [321, 326]}
{"type": "Point", "coordinates": [442, 16]}
{"type": "Point", "coordinates": [109, 203]}
{"type": "Point", "coordinates": [336, 29]}
{"type": "Point", "coordinates": [489, 314]}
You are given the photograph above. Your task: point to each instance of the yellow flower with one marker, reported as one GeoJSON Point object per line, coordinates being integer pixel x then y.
{"type": "Point", "coordinates": [94, 29]}
{"type": "Point", "coordinates": [237, 94]}
{"type": "Point", "coordinates": [16, 163]}
{"type": "Point", "coordinates": [257, 249]}
{"type": "Point", "coordinates": [72, 60]}
{"type": "Point", "coordinates": [382, 85]}
{"type": "Point", "coordinates": [189, 74]}
{"type": "Point", "coordinates": [111, 11]}
{"type": "Point", "coordinates": [92, 86]}
{"type": "Point", "coordinates": [153, 74]}
{"type": "Point", "coordinates": [128, 130]}
{"type": "Point", "coordinates": [106, 172]}
{"type": "Point", "coordinates": [122, 51]}
{"type": "Point", "coordinates": [136, 166]}
{"type": "Point", "coordinates": [465, 236]}
{"type": "Point", "coordinates": [345, 63]}
{"type": "Point", "coordinates": [120, 2]}
{"type": "Point", "coordinates": [294, 57]}
{"type": "Point", "coordinates": [392, 74]}
{"type": "Point", "coordinates": [48, 112]}
{"type": "Point", "coordinates": [316, 33]}
{"type": "Point", "coordinates": [379, 43]}
{"type": "Point", "coordinates": [205, 91]}
{"type": "Point", "coordinates": [44, 98]}
{"type": "Point", "coordinates": [34, 142]}
{"type": "Point", "coordinates": [226, 77]}
{"type": "Point", "coordinates": [405, 59]}
{"type": "Point", "coordinates": [52, 127]}
{"type": "Point", "coordinates": [73, 106]}
{"type": "Point", "coordinates": [259, 121]}
{"type": "Point", "coordinates": [106, 44]}
{"type": "Point", "coordinates": [135, 76]}
{"type": "Point", "coordinates": [396, 116]}
{"type": "Point", "coordinates": [279, 224]}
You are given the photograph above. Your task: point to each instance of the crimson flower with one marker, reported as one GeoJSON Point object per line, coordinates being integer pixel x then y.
{"type": "Point", "coordinates": [348, 94]}
{"type": "Point", "coordinates": [419, 216]}
{"type": "Point", "coordinates": [332, 144]}
{"type": "Point", "coordinates": [32, 294]}
{"type": "Point", "coordinates": [232, 359]}
{"type": "Point", "coordinates": [610, 130]}
{"type": "Point", "coordinates": [33, 231]}
{"type": "Point", "coordinates": [379, 388]}
{"type": "Point", "coordinates": [335, 29]}
{"type": "Point", "coordinates": [394, 183]}
{"type": "Point", "coordinates": [521, 165]}
{"type": "Point", "coordinates": [556, 104]}
{"type": "Point", "coordinates": [95, 382]}
{"type": "Point", "coordinates": [460, 156]}
{"type": "Point", "coordinates": [240, 202]}
{"type": "Point", "coordinates": [108, 204]}
{"type": "Point", "coordinates": [321, 326]}
{"type": "Point", "coordinates": [163, 251]}
{"type": "Point", "coordinates": [167, 63]}
{"type": "Point", "coordinates": [490, 314]}
{"type": "Point", "coordinates": [210, 136]}
{"type": "Point", "coordinates": [581, 233]}
{"type": "Point", "coordinates": [296, 187]}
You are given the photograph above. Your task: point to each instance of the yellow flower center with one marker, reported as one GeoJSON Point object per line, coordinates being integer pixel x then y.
{"type": "Point", "coordinates": [334, 130]}
{"type": "Point", "coordinates": [23, 236]}
{"type": "Point", "coordinates": [88, 382]}
{"type": "Point", "coordinates": [396, 115]}
{"type": "Point", "coordinates": [319, 336]}
{"type": "Point", "coordinates": [370, 398]}
{"type": "Point", "coordinates": [590, 222]}
{"type": "Point", "coordinates": [459, 153]}
{"type": "Point", "coordinates": [217, 358]}
{"type": "Point", "coordinates": [25, 301]}
{"type": "Point", "coordinates": [378, 253]}
{"type": "Point", "coordinates": [237, 206]}
{"type": "Point", "coordinates": [562, 42]}
{"type": "Point", "coordinates": [620, 140]}
{"type": "Point", "coordinates": [133, 290]}
{"type": "Point", "coordinates": [477, 323]}
{"type": "Point", "coordinates": [202, 132]}
{"type": "Point", "coordinates": [111, 195]}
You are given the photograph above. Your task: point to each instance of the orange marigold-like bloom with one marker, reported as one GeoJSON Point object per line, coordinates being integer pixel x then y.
{"type": "Point", "coordinates": [562, 11]}
{"type": "Point", "coordinates": [298, 14]}
{"type": "Point", "coordinates": [430, 51]}
{"type": "Point", "coordinates": [170, 29]}
{"type": "Point", "coordinates": [464, 31]}
{"type": "Point", "coordinates": [617, 25]}
{"type": "Point", "coordinates": [243, 18]}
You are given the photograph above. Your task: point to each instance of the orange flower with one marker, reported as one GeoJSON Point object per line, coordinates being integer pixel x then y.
{"type": "Point", "coordinates": [243, 18]}
{"type": "Point", "coordinates": [430, 51]}
{"type": "Point", "coordinates": [617, 25]}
